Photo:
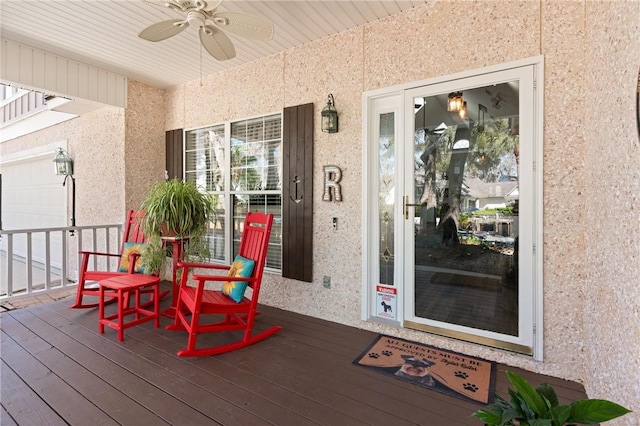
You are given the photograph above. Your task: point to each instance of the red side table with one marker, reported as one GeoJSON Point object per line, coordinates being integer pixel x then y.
{"type": "Point", "coordinates": [122, 287]}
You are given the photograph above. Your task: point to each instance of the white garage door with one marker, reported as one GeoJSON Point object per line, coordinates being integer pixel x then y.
{"type": "Point", "coordinates": [32, 195]}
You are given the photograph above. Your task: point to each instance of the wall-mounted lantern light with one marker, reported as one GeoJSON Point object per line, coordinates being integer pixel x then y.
{"type": "Point", "coordinates": [63, 163]}
{"type": "Point", "coordinates": [330, 117]}
{"type": "Point", "coordinates": [64, 167]}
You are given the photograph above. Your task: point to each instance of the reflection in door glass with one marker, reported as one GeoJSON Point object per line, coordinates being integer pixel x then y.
{"type": "Point", "coordinates": [466, 214]}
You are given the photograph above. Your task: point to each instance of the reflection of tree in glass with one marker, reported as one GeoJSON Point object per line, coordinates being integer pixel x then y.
{"type": "Point", "coordinates": [433, 152]}
{"type": "Point", "coordinates": [494, 153]}
{"type": "Point", "coordinates": [273, 174]}
{"type": "Point", "coordinates": [244, 175]}
{"type": "Point", "coordinates": [214, 159]}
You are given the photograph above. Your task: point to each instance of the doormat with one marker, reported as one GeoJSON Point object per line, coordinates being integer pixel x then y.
{"type": "Point", "coordinates": [452, 373]}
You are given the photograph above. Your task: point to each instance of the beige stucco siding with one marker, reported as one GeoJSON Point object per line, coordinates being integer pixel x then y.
{"type": "Point", "coordinates": [144, 148]}
{"type": "Point", "coordinates": [564, 185]}
{"type": "Point", "coordinates": [446, 37]}
{"type": "Point", "coordinates": [611, 337]}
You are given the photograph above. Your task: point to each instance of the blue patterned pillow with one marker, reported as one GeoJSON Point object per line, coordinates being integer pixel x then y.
{"type": "Point", "coordinates": [124, 260]}
{"type": "Point", "coordinates": [241, 267]}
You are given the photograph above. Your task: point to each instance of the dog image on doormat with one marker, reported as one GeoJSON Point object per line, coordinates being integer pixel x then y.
{"type": "Point", "coordinates": [416, 370]}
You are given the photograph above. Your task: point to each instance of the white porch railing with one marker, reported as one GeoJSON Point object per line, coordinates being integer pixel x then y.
{"type": "Point", "coordinates": [39, 260]}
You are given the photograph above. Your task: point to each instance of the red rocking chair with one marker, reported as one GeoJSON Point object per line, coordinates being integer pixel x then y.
{"type": "Point", "coordinates": [132, 234]}
{"type": "Point", "coordinates": [196, 303]}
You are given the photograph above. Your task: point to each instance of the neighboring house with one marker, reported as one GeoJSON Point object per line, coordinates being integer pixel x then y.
{"type": "Point", "coordinates": [479, 195]}
{"type": "Point", "coordinates": [579, 71]}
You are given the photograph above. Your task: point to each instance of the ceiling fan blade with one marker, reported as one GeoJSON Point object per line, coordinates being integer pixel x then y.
{"type": "Point", "coordinates": [163, 30]}
{"type": "Point", "coordinates": [182, 5]}
{"type": "Point", "coordinates": [159, 2]}
{"type": "Point", "coordinates": [243, 24]}
{"type": "Point", "coordinates": [216, 43]}
{"type": "Point", "coordinates": [210, 5]}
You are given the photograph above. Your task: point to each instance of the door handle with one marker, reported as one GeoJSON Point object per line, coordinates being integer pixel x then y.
{"type": "Point", "coordinates": [407, 205]}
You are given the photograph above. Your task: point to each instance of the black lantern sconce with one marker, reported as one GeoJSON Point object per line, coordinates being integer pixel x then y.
{"type": "Point", "coordinates": [329, 116]}
{"type": "Point", "coordinates": [63, 163]}
{"type": "Point", "coordinates": [64, 167]}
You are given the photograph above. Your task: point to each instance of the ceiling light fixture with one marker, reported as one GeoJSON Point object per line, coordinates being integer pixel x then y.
{"type": "Point", "coordinates": [455, 102]}
{"type": "Point", "coordinates": [463, 111]}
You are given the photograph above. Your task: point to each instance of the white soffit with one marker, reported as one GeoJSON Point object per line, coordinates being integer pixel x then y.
{"type": "Point", "coordinates": [35, 122]}
{"type": "Point", "coordinates": [29, 68]}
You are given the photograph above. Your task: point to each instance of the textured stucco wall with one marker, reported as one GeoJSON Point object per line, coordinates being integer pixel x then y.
{"type": "Point", "coordinates": [612, 211]}
{"type": "Point", "coordinates": [591, 152]}
{"type": "Point", "coordinates": [256, 89]}
{"type": "Point", "coordinates": [144, 148]}
{"type": "Point", "coordinates": [564, 184]}
{"type": "Point", "coordinates": [445, 37]}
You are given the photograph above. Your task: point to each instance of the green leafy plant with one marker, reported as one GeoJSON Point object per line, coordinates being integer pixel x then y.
{"type": "Point", "coordinates": [175, 209]}
{"type": "Point", "coordinates": [529, 406]}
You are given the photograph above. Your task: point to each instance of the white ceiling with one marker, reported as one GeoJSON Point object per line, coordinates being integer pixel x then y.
{"type": "Point", "coordinates": [104, 33]}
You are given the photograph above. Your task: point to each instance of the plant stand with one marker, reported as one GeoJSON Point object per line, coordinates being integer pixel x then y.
{"type": "Point", "coordinates": [177, 249]}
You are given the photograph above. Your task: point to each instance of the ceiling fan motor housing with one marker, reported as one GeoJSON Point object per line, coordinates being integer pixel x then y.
{"type": "Point", "coordinates": [195, 17]}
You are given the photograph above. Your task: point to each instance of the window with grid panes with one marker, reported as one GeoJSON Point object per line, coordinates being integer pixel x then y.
{"type": "Point", "coordinates": [240, 163]}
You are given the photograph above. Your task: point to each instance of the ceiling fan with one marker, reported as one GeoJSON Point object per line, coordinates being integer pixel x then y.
{"type": "Point", "coordinates": [497, 99]}
{"type": "Point", "coordinates": [211, 24]}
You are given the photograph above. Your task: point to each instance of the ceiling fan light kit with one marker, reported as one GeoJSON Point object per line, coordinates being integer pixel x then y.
{"type": "Point", "coordinates": [212, 26]}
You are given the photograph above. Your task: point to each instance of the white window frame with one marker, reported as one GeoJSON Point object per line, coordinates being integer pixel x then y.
{"type": "Point", "coordinates": [227, 192]}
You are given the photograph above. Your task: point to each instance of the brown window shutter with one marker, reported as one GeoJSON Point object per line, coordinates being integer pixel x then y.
{"type": "Point", "coordinates": [173, 146]}
{"type": "Point", "coordinates": [297, 192]}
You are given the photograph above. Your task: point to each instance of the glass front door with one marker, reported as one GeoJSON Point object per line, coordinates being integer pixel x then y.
{"type": "Point", "coordinates": [454, 207]}
{"type": "Point", "coordinates": [462, 214]}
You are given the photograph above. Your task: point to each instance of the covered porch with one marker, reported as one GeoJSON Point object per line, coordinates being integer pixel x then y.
{"type": "Point", "coordinates": [585, 276]}
{"type": "Point", "coordinates": [57, 369]}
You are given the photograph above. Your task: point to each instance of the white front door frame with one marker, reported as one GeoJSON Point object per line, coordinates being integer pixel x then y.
{"type": "Point", "coordinates": [376, 101]}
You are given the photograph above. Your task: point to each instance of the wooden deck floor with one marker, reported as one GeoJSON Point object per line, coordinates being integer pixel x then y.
{"type": "Point", "coordinates": [57, 370]}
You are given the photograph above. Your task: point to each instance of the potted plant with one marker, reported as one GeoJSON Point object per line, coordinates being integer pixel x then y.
{"type": "Point", "coordinates": [529, 406]}
{"type": "Point", "coordinates": [177, 209]}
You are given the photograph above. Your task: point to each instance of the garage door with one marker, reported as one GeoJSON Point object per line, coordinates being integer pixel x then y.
{"type": "Point", "coordinates": [32, 197]}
